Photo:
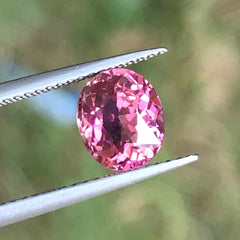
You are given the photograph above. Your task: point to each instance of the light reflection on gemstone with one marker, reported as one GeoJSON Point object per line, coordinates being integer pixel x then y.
{"type": "Point", "coordinates": [120, 118]}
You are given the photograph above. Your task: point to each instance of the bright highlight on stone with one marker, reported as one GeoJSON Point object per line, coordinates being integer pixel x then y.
{"type": "Point", "coordinates": [120, 118]}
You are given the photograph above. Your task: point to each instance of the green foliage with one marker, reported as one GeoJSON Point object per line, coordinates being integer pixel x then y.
{"type": "Point", "coordinates": [198, 82]}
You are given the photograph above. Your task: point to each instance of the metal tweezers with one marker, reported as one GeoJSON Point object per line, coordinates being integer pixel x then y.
{"type": "Point", "coordinates": [38, 204]}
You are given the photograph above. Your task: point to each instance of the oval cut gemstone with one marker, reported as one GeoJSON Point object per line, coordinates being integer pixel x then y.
{"type": "Point", "coordinates": [120, 118]}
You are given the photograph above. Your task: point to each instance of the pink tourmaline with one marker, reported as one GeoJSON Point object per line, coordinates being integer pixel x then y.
{"type": "Point", "coordinates": [120, 118]}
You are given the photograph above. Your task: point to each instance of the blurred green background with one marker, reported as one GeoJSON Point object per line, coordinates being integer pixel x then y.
{"type": "Point", "coordinates": [198, 82]}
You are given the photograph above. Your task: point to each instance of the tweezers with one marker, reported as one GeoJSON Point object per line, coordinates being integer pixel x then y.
{"type": "Point", "coordinates": [38, 204]}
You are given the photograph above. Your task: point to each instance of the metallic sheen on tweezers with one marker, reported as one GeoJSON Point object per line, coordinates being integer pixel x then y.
{"type": "Point", "coordinates": [18, 89]}
{"type": "Point", "coordinates": [36, 205]}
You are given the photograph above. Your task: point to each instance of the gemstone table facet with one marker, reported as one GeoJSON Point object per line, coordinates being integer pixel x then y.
{"type": "Point", "coordinates": [120, 118]}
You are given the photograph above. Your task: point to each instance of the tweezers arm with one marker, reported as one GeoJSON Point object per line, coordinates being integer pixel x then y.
{"type": "Point", "coordinates": [32, 206]}
{"type": "Point", "coordinates": [14, 90]}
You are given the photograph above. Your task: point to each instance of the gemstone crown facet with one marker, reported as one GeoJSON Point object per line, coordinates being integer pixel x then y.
{"type": "Point", "coordinates": [120, 118]}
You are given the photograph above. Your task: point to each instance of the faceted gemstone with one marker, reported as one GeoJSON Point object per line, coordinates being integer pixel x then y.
{"type": "Point", "coordinates": [120, 118]}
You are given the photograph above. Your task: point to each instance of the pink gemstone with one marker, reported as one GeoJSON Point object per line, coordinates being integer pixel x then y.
{"type": "Point", "coordinates": [120, 118]}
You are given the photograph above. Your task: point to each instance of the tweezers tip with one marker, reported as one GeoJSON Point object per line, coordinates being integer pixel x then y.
{"type": "Point", "coordinates": [162, 50]}
{"type": "Point", "coordinates": [194, 157]}
{"type": "Point", "coordinates": [188, 159]}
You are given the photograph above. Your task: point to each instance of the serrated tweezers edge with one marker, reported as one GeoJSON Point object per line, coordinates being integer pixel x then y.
{"type": "Point", "coordinates": [35, 205]}
{"type": "Point", "coordinates": [22, 88]}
